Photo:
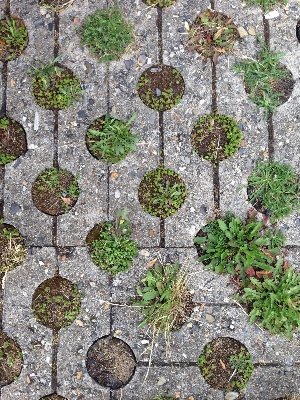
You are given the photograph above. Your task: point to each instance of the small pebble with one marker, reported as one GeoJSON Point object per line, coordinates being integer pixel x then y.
{"type": "Point", "coordinates": [209, 318]}
{"type": "Point", "coordinates": [242, 32]}
{"type": "Point", "coordinates": [231, 396]}
{"type": "Point", "coordinates": [158, 92]}
{"type": "Point", "coordinates": [117, 194]}
{"type": "Point", "coordinates": [142, 60]}
{"type": "Point", "coordinates": [161, 381]}
{"type": "Point", "coordinates": [128, 64]}
{"type": "Point", "coordinates": [272, 14]}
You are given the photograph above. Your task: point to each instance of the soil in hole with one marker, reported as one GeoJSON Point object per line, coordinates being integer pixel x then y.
{"type": "Point", "coordinates": [12, 140]}
{"type": "Point", "coordinates": [284, 86]}
{"type": "Point", "coordinates": [14, 38]}
{"type": "Point", "coordinates": [216, 137]}
{"type": "Point", "coordinates": [56, 90]}
{"type": "Point", "coordinates": [55, 191]}
{"type": "Point", "coordinates": [162, 192]}
{"type": "Point", "coordinates": [159, 3]}
{"type": "Point", "coordinates": [56, 303]}
{"type": "Point", "coordinates": [56, 5]}
{"type": "Point", "coordinates": [11, 360]}
{"type": "Point", "coordinates": [53, 397]}
{"type": "Point", "coordinates": [225, 363]}
{"type": "Point", "coordinates": [212, 34]}
{"type": "Point", "coordinates": [111, 362]}
{"type": "Point", "coordinates": [12, 248]}
{"type": "Point", "coordinates": [161, 87]}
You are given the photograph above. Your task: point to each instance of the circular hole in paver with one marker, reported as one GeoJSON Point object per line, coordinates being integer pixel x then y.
{"type": "Point", "coordinates": [109, 139]}
{"type": "Point", "coordinates": [56, 302]}
{"type": "Point", "coordinates": [111, 362]}
{"type": "Point", "coordinates": [164, 298]}
{"type": "Point", "coordinates": [225, 363]}
{"type": "Point", "coordinates": [216, 137]}
{"type": "Point", "coordinates": [55, 191]}
{"type": "Point", "coordinates": [159, 3]}
{"type": "Point", "coordinates": [107, 34]}
{"type": "Point", "coordinates": [14, 38]}
{"type": "Point", "coordinates": [111, 247]}
{"type": "Point", "coordinates": [12, 248]}
{"type": "Point", "coordinates": [55, 87]}
{"type": "Point", "coordinates": [11, 360]}
{"type": "Point", "coordinates": [298, 31]}
{"type": "Point", "coordinates": [161, 87]}
{"type": "Point", "coordinates": [212, 34]}
{"type": "Point", "coordinates": [12, 140]}
{"type": "Point", "coordinates": [284, 86]}
{"type": "Point", "coordinates": [273, 189]}
{"type": "Point", "coordinates": [53, 396]}
{"type": "Point", "coordinates": [162, 192]}
{"type": "Point", "coordinates": [56, 5]}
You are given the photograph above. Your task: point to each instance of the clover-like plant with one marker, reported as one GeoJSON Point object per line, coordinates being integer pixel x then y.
{"type": "Point", "coordinates": [110, 139]}
{"type": "Point", "coordinates": [164, 298]}
{"type": "Point", "coordinates": [107, 34]}
{"type": "Point", "coordinates": [276, 187]}
{"type": "Point", "coordinates": [275, 301]}
{"type": "Point", "coordinates": [231, 246]}
{"type": "Point", "coordinates": [110, 245]}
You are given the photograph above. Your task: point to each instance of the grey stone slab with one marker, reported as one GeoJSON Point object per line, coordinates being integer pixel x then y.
{"type": "Point", "coordinates": [91, 207]}
{"type": "Point", "coordinates": [178, 125]}
{"type": "Point", "coordinates": [233, 101]}
{"type": "Point", "coordinates": [34, 339]}
{"type": "Point", "coordinates": [286, 118]}
{"type": "Point", "coordinates": [92, 323]}
{"type": "Point", "coordinates": [268, 383]}
{"type": "Point", "coordinates": [124, 101]}
{"type": "Point", "coordinates": [292, 255]}
{"type": "Point", "coordinates": [180, 383]}
{"type": "Point", "coordinates": [38, 124]}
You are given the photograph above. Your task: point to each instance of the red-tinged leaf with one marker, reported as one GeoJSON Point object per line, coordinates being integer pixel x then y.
{"type": "Point", "coordinates": [285, 265]}
{"type": "Point", "coordinates": [208, 38]}
{"type": "Point", "coordinates": [252, 213]}
{"type": "Point", "coordinates": [265, 219]}
{"type": "Point", "coordinates": [250, 272]}
{"type": "Point", "coordinates": [260, 274]}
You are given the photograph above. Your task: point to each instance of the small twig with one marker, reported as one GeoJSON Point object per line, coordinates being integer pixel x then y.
{"type": "Point", "coordinates": [150, 359]}
{"type": "Point", "coordinates": [232, 375]}
{"type": "Point", "coordinates": [246, 313]}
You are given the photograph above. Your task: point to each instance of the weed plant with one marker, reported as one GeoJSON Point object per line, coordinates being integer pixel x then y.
{"type": "Point", "coordinates": [8, 126]}
{"type": "Point", "coordinates": [162, 397]}
{"type": "Point", "coordinates": [162, 192]}
{"type": "Point", "coordinates": [14, 38]}
{"type": "Point", "coordinates": [242, 364]}
{"type": "Point", "coordinates": [12, 248]}
{"type": "Point", "coordinates": [56, 5]}
{"type": "Point", "coordinates": [234, 247]}
{"type": "Point", "coordinates": [113, 250]}
{"type": "Point", "coordinates": [276, 187]}
{"type": "Point", "coordinates": [224, 133]}
{"type": "Point", "coordinates": [107, 34]}
{"type": "Point", "coordinates": [265, 4]}
{"type": "Point", "coordinates": [54, 86]}
{"type": "Point", "coordinates": [110, 140]}
{"type": "Point", "coordinates": [261, 76]}
{"type": "Point", "coordinates": [212, 34]}
{"type": "Point", "coordinates": [164, 298]}
{"type": "Point", "coordinates": [275, 301]}
{"type": "Point", "coordinates": [159, 3]}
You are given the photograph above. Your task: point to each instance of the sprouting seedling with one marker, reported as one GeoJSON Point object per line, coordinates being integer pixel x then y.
{"type": "Point", "coordinates": [46, 71]}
